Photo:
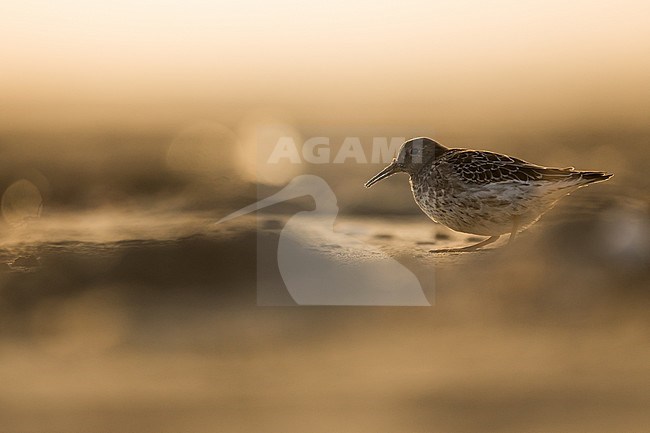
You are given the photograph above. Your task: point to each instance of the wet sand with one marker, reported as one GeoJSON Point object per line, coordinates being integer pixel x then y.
{"type": "Point", "coordinates": [164, 334]}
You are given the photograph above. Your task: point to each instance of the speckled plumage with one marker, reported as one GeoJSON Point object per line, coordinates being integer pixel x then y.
{"type": "Point", "coordinates": [481, 192]}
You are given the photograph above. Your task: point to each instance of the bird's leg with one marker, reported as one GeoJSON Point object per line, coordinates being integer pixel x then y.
{"type": "Point", "coordinates": [481, 244]}
{"type": "Point", "coordinates": [474, 247]}
{"type": "Point", "coordinates": [515, 227]}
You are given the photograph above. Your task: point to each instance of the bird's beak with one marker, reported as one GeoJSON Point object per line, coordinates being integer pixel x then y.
{"type": "Point", "coordinates": [388, 171]}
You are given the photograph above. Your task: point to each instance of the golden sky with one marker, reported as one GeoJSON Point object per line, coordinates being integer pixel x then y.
{"type": "Point", "coordinates": [466, 60]}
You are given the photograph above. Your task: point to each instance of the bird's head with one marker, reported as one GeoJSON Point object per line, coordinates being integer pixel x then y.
{"type": "Point", "coordinates": [413, 155]}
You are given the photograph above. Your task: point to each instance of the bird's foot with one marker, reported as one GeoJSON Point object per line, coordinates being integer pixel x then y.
{"type": "Point", "coordinates": [455, 250]}
{"type": "Point", "coordinates": [469, 248]}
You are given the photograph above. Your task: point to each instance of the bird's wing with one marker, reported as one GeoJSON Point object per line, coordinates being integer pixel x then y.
{"type": "Point", "coordinates": [481, 167]}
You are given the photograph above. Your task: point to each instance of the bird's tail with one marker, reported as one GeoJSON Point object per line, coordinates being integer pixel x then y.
{"type": "Point", "coordinates": [587, 177]}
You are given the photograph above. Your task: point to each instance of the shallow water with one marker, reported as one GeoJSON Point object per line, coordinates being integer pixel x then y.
{"type": "Point", "coordinates": [124, 307]}
{"type": "Point", "coordinates": [153, 325]}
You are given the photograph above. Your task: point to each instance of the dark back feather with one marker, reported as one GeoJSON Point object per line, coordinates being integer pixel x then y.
{"type": "Point", "coordinates": [481, 167]}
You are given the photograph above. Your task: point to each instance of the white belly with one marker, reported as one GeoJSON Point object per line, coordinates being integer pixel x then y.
{"type": "Point", "coordinates": [488, 210]}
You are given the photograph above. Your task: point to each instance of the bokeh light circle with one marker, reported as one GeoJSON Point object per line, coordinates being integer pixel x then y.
{"type": "Point", "coordinates": [21, 201]}
{"type": "Point", "coordinates": [258, 137]}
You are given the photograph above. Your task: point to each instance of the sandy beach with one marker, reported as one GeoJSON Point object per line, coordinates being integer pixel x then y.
{"type": "Point", "coordinates": [164, 334]}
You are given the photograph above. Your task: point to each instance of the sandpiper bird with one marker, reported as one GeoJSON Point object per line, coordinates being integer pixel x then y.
{"type": "Point", "coordinates": [480, 192]}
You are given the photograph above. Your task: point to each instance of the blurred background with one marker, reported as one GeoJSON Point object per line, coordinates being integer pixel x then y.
{"type": "Point", "coordinates": [127, 129]}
